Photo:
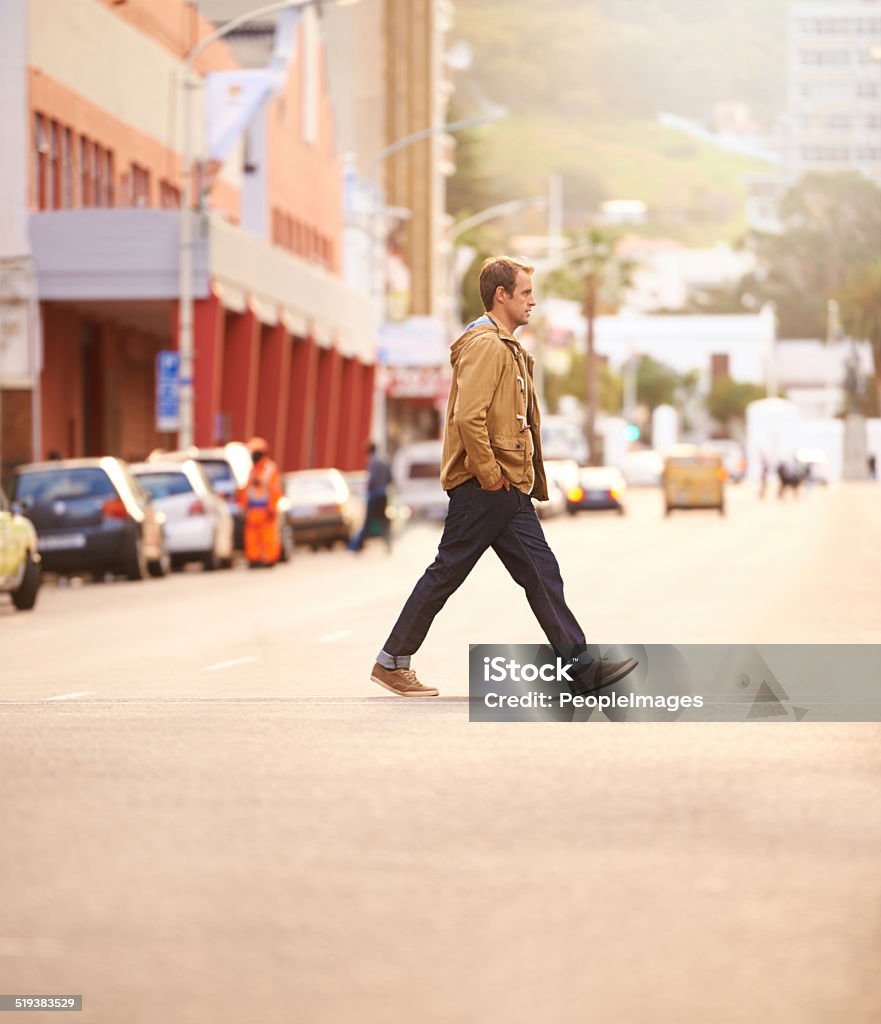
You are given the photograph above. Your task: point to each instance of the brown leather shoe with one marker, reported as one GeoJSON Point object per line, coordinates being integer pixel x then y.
{"type": "Point", "coordinates": [602, 673]}
{"type": "Point", "coordinates": [401, 681]}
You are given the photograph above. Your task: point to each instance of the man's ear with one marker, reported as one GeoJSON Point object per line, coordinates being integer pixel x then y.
{"type": "Point", "coordinates": [500, 289]}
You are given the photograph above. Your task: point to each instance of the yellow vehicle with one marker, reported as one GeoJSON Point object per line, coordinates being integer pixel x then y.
{"type": "Point", "coordinates": [693, 478]}
{"type": "Point", "coordinates": [20, 573]}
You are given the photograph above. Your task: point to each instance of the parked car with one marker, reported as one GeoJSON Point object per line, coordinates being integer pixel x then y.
{"type": "Point", "coordinates": [642, 468]}
{"type": "Point", "coordinates": [416, 473]}
{"type": "Point", "coordinates": [559, 474]}
{"type": "Point", "coordinates": [198, 521]}
{"type": "Point", "coordinates": [227, 468]}
{"type": "Point", "coordinates": [321, 507]}
{"type": "Point", "coordinates": [555, 505]}
{"type": "Point", "coordinates": [733, 458]}
{"type": "Point", "coordinates": [91, 516]}
{"type": "Point", "coordinates": [20, 568]}
{"type": "Point", "coordinates": [598, 487]}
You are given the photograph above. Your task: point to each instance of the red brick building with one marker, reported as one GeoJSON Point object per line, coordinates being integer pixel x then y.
{"type": "Point", "coordinates": [283, 347]}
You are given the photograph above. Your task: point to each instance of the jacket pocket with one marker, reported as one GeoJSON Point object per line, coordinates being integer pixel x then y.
{"type": "Point", "coordinates": [510, 452]}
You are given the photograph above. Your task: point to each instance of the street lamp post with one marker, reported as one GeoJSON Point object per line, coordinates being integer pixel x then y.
{"type": "Point", "coordinates": [187, 221]}
{"type": "Point", "coordinates": [377, 236]}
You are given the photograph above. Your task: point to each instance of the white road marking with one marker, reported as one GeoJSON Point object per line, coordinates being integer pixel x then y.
{"type": "Point", "coordinates": [73, 696]}
{"type": "Point", "coordinates": [333, 637]}
{"type": "Point", "coordinates": [230, 664]}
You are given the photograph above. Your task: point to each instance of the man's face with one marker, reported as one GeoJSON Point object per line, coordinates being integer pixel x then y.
{"type": "Point", "coordinates": [519, 305]}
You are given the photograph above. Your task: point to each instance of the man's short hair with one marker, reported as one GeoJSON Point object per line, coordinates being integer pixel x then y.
{"type": "Point", "coordinates": [499, 271]}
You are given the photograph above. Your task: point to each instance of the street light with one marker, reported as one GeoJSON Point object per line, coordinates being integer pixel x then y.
{"type": "Point", "coordinates": [185, 255]}
{"type": "Point", "coordinates": [475, 220]}
{"type": "Point", "coordinates": [391, 150]}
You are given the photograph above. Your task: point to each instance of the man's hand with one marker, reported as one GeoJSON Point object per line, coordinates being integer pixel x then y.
{"type": "Point", "coordinates": [503, 482]}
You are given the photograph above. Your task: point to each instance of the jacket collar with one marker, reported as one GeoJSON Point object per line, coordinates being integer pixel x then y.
{"type": "Point", "coordinates": [504, 333]}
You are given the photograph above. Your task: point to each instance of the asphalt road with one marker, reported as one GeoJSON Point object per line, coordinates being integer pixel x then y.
{"type": "Point", "coordinates": [210, 814]}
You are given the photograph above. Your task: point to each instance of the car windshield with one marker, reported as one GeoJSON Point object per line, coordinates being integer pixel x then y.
{"type": "Point", "coordinates": [312, 490]}
{"type": "Point", "coordinates": [164, 485]}
{"type": "Point", "coordinates": [423, 471]}
{"type": "Point", "coordinates": [219, 473]}
{"type": "Point", "coordinates": [68, 484]}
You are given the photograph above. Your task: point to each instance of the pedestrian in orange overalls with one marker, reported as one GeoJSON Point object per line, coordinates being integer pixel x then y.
{"type": "Point", "coordinates": [259, 498]}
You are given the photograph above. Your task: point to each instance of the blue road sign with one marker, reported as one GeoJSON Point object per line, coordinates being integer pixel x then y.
{"type": "Point", "coordinates": [168, 391]}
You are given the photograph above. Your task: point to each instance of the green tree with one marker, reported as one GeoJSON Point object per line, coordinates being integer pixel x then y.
{"type": "Point", "coordinates": [593, 268]}
{"type": "Point", "coordinates": [860, 301]}
{"type": "Point", "coordinates": [728, 399]}
{"type": "Point", "coordinates": [610, 387]}
{"type": "Point", "coordinates": [656, 383]}
{"type": "Point", "coordinates": [831, 228]}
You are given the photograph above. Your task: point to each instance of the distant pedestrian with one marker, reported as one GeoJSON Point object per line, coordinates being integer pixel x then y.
{"type": "Point", "coordinates": [873, 467]}
{"type": "Point", "coordinates": [376, 521]}
{"type": "Point", "coordinates": [491, 469]}
{"type": "Point", "coordinates": [259, 498]}
{"type": "Point", "coordinates": [790, 477]}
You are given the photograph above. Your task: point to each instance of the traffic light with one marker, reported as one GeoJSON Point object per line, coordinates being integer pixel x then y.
{"type": "Point", "coordinates": [631, 432]}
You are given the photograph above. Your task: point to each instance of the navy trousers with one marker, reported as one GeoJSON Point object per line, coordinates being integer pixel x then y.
{"type": "Point", "coordinates": [506, 521]}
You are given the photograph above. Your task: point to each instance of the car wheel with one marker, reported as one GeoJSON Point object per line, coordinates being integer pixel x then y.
{"type": "Point", "coordinates": [135, 567]}
{"type": "Point", "coordinates": [210, 561]}
{"type": "Point", "coordinates": [25, 597]}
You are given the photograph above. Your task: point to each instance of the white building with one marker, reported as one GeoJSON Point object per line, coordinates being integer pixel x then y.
{"type": "Point", "coordinates": [834, 87]}
{"type": "Point", "coordinates": [812, 373]}
{"type": "Point", "coordinates": [740, 346]}
{"type": "Point", "coordinates": [668, 274]}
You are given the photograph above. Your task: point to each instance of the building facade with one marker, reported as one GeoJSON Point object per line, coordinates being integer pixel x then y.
{"type": "Point", "coordinates": [390, 81]}
{"type": "Point", "coordinates": [834, 87]}
{"type": "Point", "coordinates": [89, 242]}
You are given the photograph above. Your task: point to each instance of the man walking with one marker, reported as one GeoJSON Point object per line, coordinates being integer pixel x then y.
{"type": "Point", "coordinates": [491, 468]}
{"type": "Point", "coordinates": [376, 522]}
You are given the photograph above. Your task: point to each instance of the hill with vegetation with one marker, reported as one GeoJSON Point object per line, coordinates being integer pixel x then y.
{"type": "Point", "coordinates": [584, 81]}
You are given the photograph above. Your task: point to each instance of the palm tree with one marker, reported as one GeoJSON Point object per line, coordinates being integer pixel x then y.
{"type": "Point", "coordinates": [597, 275]}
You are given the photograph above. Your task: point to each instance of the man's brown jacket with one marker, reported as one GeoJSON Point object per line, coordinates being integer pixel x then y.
{"type": "Point", "coordinates": [493, 421]}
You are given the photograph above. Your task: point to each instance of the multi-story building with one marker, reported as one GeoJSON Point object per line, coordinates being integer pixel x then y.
{"type": "Point", "coordinates": [390, 81]}
{"type": "Point", "coordinates": [91, 177]}
{"type": "Point", "coordinates": [834, 87]}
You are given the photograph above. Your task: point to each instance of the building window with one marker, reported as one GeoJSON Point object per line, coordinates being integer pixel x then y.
{"type": "Point", "coordinates": [110, 178]}
{"type": "Point", "coordinates": [40, 163]}
{"type": "Point", "coordinates": [169, 196]}
{"type": "Point", "coordinates": [66, 168]}
{"type": "Point", "coordinates": [140, 185]}
{"type": "Point", "coordinates": [825, 58]}
{"type": "Point", "coordinates": [719, 365]}
{"type": "Point", "coordinates": [87, 171]}
{"type": "Point", "coordinates": [54, 166]}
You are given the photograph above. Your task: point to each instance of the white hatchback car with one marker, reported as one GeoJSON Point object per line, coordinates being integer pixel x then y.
{"type": "Point", "coordinates": [198, 522]}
